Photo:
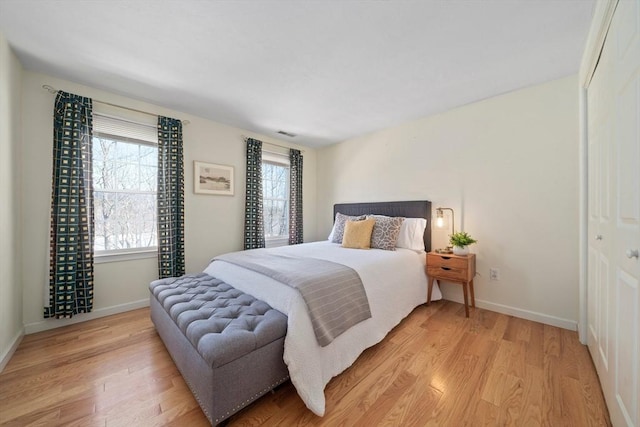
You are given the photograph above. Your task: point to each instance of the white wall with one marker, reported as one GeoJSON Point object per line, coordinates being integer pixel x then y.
{"type": "Point", "coordinates": [508, 165]}
{"type": "Point", "coordinates": [11, 329]}
{"type": "Point", "coordinates": [213, 224]}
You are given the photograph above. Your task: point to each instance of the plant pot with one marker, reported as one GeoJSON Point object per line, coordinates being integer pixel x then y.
{"type": "Point", "coordinates": [460, 250]}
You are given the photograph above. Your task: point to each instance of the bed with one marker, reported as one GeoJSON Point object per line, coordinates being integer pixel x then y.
{"type": "Point", "coordinates": [395, 283]}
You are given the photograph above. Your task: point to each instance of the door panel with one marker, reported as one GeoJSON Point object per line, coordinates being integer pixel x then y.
{"type": "Point", "coordinates": [628, 29]}
{"type": "Point", "coordinates": [627, 319]}
{"type": "Point", "coordinates": [604, 175]}
{"type": "Point", "coordinates": [628, 173]}
{"type": "Point", "coordinates": [603, 312]}
{"type": "Point", "coordinates": [592, 310]}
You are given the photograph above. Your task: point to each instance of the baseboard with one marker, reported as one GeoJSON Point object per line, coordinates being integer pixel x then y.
{"type": "Point", "coordinates": [47, 324]}
{"type": "Point", "coordinates": [547, 319]}
{"type": "Point", "coordinates": [12, 349]}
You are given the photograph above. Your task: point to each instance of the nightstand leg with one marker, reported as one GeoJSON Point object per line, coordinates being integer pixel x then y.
{"type": "Point", "coordinates": [466, 298]}
{"type": "Point", "coordinates": [429, 289]}
{"type": "Point", "coordinates": [473, 298]}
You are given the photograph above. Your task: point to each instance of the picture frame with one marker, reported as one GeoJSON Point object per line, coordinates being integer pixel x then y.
{"type": "Point", "coordinates": [211, 178]}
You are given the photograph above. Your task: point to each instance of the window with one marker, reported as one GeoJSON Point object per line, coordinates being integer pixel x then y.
{"type": "Point", "coordinates": [275, 194]}
{"type": "Point", "coordinates": [125, 173]}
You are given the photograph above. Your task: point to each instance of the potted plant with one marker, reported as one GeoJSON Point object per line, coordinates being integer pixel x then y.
{"type": "Point", "coordinates": [460, 242]}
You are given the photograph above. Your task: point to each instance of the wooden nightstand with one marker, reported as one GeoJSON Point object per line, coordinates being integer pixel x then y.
{"type": "Point", "coordinates": [452, 268]}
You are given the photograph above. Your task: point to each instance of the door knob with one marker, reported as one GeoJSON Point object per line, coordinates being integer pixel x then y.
{"type": "Point", "coordinates": [598, 236]}
{"type": "Point", "coordinates": [632, 253]}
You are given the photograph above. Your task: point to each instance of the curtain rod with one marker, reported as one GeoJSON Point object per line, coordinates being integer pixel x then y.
{"type": "Point", "coordinates": [53, 90]}
{"type": "Point", "coordinates": [244, 138]}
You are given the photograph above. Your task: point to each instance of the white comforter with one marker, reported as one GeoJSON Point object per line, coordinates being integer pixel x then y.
{"type": "Point", "coordinates": [395, 283]}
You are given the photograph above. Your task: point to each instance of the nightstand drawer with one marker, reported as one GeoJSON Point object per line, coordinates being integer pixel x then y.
{"type": "Point", "coordinates": [446, 261]}
{"type": "Point", "coordinates": [447, 272]}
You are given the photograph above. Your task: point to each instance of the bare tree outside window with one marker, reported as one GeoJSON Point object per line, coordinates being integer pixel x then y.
{"type": "Point", "coordinates": [275, 189]}
{"type": "Point", "coordinates": [125, 181]}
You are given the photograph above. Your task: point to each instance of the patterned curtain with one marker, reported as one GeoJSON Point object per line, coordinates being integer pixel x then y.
{"type": "Point", "coordinates": [170, 199]}
{"type": "Point", "coordinates": [72, 227]}
{"type": "Point", "coordinates": [253, 220]}
{"type": "Point", "coordinates": [295, 197]}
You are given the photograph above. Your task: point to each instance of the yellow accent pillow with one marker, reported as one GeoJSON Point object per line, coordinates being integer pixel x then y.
{"type": "Point", "coordinates": [357, 234]}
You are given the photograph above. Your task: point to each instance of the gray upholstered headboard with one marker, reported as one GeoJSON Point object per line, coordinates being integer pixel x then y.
{"type": "Point", "coordinates": [409, 209]}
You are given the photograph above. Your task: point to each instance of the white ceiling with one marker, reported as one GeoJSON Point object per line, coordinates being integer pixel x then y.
{"type": "Point", "coordinates": [324, 70]}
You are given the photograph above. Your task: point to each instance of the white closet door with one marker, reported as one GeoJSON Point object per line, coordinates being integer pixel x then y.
{"type": "Point", "coordinates": [627, 197]}
{"type": "Point", "coordinates": [600, 292]}
{"type": "Point", "coordinates": [614, 216]}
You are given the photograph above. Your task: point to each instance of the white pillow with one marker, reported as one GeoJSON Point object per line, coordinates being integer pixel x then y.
{"type": "Point", "coordinates": [412, 234]}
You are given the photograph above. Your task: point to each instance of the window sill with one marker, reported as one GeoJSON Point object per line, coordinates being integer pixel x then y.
{"type": "Point", "coordinates": [274, 243]}
{"type": "Point", "coordinates": [124, 256]}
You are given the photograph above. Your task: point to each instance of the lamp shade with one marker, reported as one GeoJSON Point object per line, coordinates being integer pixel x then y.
{"type": "Point", "coordinates": [440, 218]}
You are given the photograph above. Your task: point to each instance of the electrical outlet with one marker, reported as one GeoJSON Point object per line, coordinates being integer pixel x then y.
{"type": "Point", "coordinates": [494, 273]}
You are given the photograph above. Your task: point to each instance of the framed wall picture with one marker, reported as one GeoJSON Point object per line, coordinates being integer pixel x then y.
{"type": "Point", "coordinates": [209, 178]}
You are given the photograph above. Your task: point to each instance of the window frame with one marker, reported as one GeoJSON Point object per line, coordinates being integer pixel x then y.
{"type": "Point", "coordinates": [116, 255]}
{"type": "Point", "coordinates": [281, 160]}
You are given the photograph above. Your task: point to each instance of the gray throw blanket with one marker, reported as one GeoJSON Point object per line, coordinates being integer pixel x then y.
{"type": "Point", "coordinates": [334, 294]}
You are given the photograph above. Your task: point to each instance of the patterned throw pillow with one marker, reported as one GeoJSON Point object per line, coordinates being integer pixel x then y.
{"type": "Point", "coordinates": [385, 232]}
{"type": "Point", "coordinates": [338, 226]}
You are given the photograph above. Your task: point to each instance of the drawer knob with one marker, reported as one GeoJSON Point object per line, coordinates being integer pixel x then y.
{"type": "Point", "coordinates": [445, 268]}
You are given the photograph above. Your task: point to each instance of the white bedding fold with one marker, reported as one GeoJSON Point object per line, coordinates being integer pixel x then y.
{"type": "Point", "coordinates": [395, 283]}
{"type": "Point", "coordinates": [334, 293]}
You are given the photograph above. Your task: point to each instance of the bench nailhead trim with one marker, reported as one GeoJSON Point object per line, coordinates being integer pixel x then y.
{"type": "Point", "coordinates": [254, 397]}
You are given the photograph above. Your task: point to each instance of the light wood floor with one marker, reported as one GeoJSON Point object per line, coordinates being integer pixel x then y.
{"type": "Point", "coordinates": [437, 368]}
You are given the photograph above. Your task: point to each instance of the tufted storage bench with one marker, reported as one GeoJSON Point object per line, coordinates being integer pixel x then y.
{"type": "Point", "coordinates": [227, 344]}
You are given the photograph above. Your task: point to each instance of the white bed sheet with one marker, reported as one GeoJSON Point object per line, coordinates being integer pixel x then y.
{"type": "Point", "coordinates": [395, 283]}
